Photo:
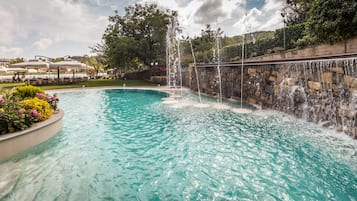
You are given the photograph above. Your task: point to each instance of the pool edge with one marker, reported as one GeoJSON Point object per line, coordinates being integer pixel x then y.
{"type": "Point", "coordinates": [14, 143]}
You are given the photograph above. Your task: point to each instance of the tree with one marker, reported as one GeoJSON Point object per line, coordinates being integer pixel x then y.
{"type": "Point", "coordinates": [296, 11]}
{"type": "Point", "coordinates": [93, 61]}
{"type": "Point", "coordinates": [330, 21]}
{"type": "Point", "coordinates": [137, 37]}
{"type": "Point", "coordinates": [17, 60]}
{"type": "Point", "coordinates": [203, 45]}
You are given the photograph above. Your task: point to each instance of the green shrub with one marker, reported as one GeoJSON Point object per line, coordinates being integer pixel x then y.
{"type": "Point", "coordinates": [28, 91]}
{"type": "Point", "coordinates": [13, 117]}
{"type": "Point", "coordinates": [22, 107]}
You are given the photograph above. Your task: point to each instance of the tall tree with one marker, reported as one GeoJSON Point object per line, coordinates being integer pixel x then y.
{"type": "Point", "coordinates": [204, 44]}
{"type": "Point", "coordinates": [331, 21]}
{"type": "Point", "coordinates": [93, 61]}
{"type": "Point", "coordinates": [295, 11]}
{"type": "Point", "coordinates": [137, 36]}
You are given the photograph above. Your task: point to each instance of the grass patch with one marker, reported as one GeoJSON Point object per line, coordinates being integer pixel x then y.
{"type": "Point", "coordinates": [5, 86]}
{"type": "Point", "coordinates": [89, 83]}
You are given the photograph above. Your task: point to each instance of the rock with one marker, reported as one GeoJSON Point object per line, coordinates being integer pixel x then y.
{"type": "Point", "coordinates": [339, 128]}
{"type": "Point", "coordinates": [294, 75]}
{"type": "Point", "coordinates": [314, 85]}
{"type": "Point", "coordinates": [276, 90]}
{"type": "Point", "coordinates": [257, 93]}
{"type": "Point", "coordinates": [259, 70]}
{"type": "Point", "coordinates": [338, 70]}
{"type": "Point", "coordinates": [269, 102]}
{"type": "Point", "coordinates": [354, 83]}
{"type": "Point", "coordinates": [251, 100]}
{"type": "Point", "coordinates": [326, 78]}
{"type": "Point", "coordinates": [348, 80]}
{"type": "Point", "coordinates": [354, 133]}
{"type": "Point", "coordinates": [252, 71]}
{"type": "Point", "coordinates": [272, 78]}
{"type": "Point", "coordinates": [266, 74]}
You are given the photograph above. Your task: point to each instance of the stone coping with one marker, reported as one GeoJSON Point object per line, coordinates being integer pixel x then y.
{"type": "Point", "coordinates": [154, 88]}
{"type": "Point", "coordinates": [13, 143]}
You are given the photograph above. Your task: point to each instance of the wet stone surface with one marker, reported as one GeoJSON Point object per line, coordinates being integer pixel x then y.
{"type": "Point", "coordinates": [320, 92]}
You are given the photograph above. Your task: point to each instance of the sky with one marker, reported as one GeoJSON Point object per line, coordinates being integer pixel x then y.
{"type": "Point", "coordinates": [57, 28]}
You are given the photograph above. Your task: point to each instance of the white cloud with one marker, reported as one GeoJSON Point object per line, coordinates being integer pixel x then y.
{"type": "Point", "coordinates": [227, 14]}
{"type": "Point", "coordinates": [268, 18]}
{"type": "Point", "coordinates": [42, 44]}
{"type": "Point", "coordinates": [56, 19]}
{"type": "Point", "coordinates": [44, 24]}
{"type": "Point", "coordinates": [6, 52]}
{"type": "Point", "coordinates": [209, 12]}
{"type": "Point", "coordinates": [182, 3]}
{"type": "Point", "coordinates": [68, 21]}
{"type": "Point", "coordinates": [9, 28]}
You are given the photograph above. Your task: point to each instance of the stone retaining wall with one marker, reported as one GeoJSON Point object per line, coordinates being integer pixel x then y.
{"type": "Point", "coordinates": [323, 92]}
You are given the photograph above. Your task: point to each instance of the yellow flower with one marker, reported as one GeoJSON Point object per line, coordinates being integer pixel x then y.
{"type": "Point", "coordinates": [42, 106]}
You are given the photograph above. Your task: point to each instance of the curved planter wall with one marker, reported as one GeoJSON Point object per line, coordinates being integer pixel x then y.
{"type": "Point", "coordinates": [13, 143]}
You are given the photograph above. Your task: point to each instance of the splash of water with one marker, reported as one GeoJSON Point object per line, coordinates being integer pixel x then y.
{"type": "Point", "coordinates": [321, 100]}
{"type": "Point", "coordinates": [173, 56]}
{"type": "Point", "coordinates": [195, 67]}
{"type": "Point", "coordinates": [218, 58]}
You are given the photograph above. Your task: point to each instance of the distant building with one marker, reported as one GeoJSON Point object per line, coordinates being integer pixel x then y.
{"type": "Point", "coordinates": [5, 62]}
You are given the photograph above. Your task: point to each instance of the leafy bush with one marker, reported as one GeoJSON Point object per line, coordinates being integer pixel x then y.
{"type": "Point", "coordinates": [28, 91]}
{"type": "Point", "coordinates": [158, 71]}
{"type": "Point", "coordinates": [22, 107]}
{"type": "Point", "coordinates": [38, 108]}
{"type": "Point", "coordinates": [13, 117]}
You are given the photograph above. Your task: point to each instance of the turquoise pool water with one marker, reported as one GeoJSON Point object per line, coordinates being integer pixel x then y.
{"type": "Point", "coordinates": [128, 145]}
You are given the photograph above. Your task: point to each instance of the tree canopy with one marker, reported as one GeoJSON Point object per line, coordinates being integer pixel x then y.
{"type": "Point", "coordinates": [139, 36]}
{"type": "Point", "coordinates": [17, 60]}
{"type": "Point", "coordinates": [331, 21]}
{"type": "Point", "coordinates": [324, 21]}
{"type": "Point", "coordinates": [296, 11]}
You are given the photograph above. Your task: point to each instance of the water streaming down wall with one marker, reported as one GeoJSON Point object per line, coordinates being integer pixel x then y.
{"type": "Point", "coordinates": [320, 91]}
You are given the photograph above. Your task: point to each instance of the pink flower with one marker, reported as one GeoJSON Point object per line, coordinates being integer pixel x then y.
{"type": "Point", "coordinates": [40, 96]}
{"type": "Point", "coordinates": [35, 114]}
{"type": "Point", "coordinates": [21, 112]}
{"type": "Point", "coordinates": [2, 100]}
{"type": "Point", "coordinates": [54, 98]}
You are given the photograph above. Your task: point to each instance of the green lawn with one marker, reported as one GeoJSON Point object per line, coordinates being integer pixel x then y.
{"type": "Point", "coordinates": [4, 86]}
{"type": "Point", "coordinates": [89, 83]}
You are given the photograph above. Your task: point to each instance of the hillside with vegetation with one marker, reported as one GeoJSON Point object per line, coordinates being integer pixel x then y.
{"type": "Point", "coordinates": [137, 40]}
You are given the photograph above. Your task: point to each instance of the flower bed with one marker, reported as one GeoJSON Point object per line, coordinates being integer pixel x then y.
{"type": "Point", "coordinates": [14, 143]}
{"type": "Point", "coordinates": [24, 106]}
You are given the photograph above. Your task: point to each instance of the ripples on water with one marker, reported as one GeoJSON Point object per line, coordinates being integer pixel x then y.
{"type": "Point", "coordinates": [127, 145]}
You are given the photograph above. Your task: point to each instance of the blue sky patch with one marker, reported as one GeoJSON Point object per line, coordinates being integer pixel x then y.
{"type": "Point", "coordinates": [255, 4]}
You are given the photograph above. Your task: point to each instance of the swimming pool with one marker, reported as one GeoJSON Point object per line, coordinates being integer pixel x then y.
{"type": "Point", "coordinates": [128, 145]}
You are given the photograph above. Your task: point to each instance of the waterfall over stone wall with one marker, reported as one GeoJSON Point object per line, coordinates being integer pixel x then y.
{"type": "Point", "coordinates": [320, 91]}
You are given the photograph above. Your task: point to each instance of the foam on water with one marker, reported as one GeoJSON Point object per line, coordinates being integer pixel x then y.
{"type": "Point", "coordinates": [181, 104]}
{"type": "Point", "coordinates": [170, 100]}
{"type": "Point", "coordinates": [221, 106]}
{"type": "Point", "coordinates": [201, 105]}
{"type": "Point", "coordinates": [241, 110]}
